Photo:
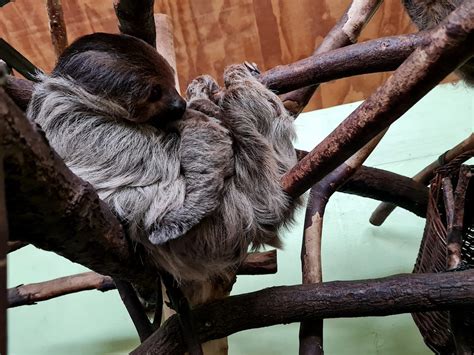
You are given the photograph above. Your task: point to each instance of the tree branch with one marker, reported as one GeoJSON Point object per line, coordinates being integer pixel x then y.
{"type": "Point", "coordinates": [135, 309]}
{"type": "Point", "coordinates": [345, 32]}
{"type": "Point", "coordinates": [450, 44]}
{"type": "Point", "coordinates": [42, 291]}
{"type": "Point", "coordinates": [311, 332]}
{"type": "Point", "coordinates": [263, 263]}
{"type": "Point", "coordinates": [386, 186]}
{"type": "Point", "coordinates": [57, 26]}
{"type": "Point", "coordinates": [384, 210]}
{"type": "Point", "coordinates": [136, 19]}
{"type": "Point", "coordinates": [288, 304]}
{"type": "Point", "coordinates": [377, 55]}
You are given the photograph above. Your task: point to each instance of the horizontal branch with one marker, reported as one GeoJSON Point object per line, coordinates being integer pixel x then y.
{"type": "Point", "coordinates": [263, 263]}
{"type": "Point", "coordinates": [389, 187]}
{"type": "Point", "coordinates": [42, 291]}
{"type": "Point", "coordinates": [289, 304]}
{"type": "Point", "coordinates": [378, 55]}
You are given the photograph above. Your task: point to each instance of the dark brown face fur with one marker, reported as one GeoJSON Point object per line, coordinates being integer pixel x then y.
{"type": "Point", "coordinates": [126, 70]}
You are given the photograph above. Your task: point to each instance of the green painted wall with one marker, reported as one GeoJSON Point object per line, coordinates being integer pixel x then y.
{"type": "Point", "coordinates": [97, 323]}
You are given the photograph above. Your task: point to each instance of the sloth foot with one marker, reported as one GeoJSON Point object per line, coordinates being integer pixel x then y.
{"type": "Point", "coordinates": [203, 87]}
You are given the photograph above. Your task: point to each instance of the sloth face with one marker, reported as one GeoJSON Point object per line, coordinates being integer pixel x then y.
{"type": "Point", "coordinates": [127, 71]}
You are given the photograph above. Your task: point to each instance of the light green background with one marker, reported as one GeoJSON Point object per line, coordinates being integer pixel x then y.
{"type": "Point", "coordinates": [96, 323]}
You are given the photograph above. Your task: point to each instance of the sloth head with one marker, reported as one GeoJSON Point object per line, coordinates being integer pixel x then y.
{"type": "Point", "coordinates": [126, 70]}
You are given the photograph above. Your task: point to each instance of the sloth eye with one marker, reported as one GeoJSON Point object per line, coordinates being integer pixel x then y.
{"type": "Point", "coordinates": [155, 94]}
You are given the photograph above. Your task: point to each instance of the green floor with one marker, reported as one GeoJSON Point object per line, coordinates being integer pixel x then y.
{"type": "Point", "coordinates": [97, 323]}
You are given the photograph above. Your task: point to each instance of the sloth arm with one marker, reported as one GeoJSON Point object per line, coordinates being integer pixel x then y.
{"type": "Point", "coordinates": [206, 159]}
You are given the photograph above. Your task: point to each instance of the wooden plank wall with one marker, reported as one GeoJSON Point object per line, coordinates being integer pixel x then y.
{"type": "Point", "coordinates": [211, 34]}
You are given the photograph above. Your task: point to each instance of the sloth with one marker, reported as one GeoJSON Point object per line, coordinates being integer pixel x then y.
{"type": "Point", "coordinates": [426, 14]}
{"type": "Point", "coordinates": [196, 183]}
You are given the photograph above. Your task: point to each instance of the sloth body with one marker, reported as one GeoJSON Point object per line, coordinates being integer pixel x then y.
{"type": "Point", "coordinates": [197, 189]}
{"type": "Point", "coordinates": [427, 14]}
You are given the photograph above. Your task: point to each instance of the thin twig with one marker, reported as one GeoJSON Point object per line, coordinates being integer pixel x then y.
{"type": "Point", "coordinates": [135, 309]}
{"type": "Point", "coordinates": [42, 291]}
{"type": "Point", "coordinates": [57, 26]}
{"type": "Point", "coordinates": [450, 45]}
{"type": "Point", "coordinates": [384, 210]}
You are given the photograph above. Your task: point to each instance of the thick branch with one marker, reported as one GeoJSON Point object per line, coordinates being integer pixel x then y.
{"type": "Point", "coordinates": [136, 19]}
{"type": "Point", "coordinates": [450, 45]}
{"type": "Point", "coordinates": [384, 185]}
{"type": "Point", "coordinates": [288, 304]}
{"type": "Point", "coordinates": [57, 26]}
{"type": "Point", "coordinates": [378, 55]}
{"type": "Point", "coordinates": [72, 221]}
{"type": "Point", "coordinates": [42, 291]}
{"type": "Point", "coordinates": [345, 32]}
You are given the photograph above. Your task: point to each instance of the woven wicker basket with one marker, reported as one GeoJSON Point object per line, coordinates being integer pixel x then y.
{"type": "Point", "coordinates": [432, 256]}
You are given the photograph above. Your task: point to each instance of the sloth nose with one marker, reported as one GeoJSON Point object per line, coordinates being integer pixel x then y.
{"type": "Point", "coordinates": [176, 109]}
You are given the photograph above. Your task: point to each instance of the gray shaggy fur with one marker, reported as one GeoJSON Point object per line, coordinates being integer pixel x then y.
{"type": "Point", "coordinates": [426, 14]}
{"type": "Point", "coordinates": [197, 194]}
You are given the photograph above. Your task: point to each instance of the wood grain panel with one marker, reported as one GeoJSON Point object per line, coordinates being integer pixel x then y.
{"type": "Point", "coordinates": [211, 34]}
